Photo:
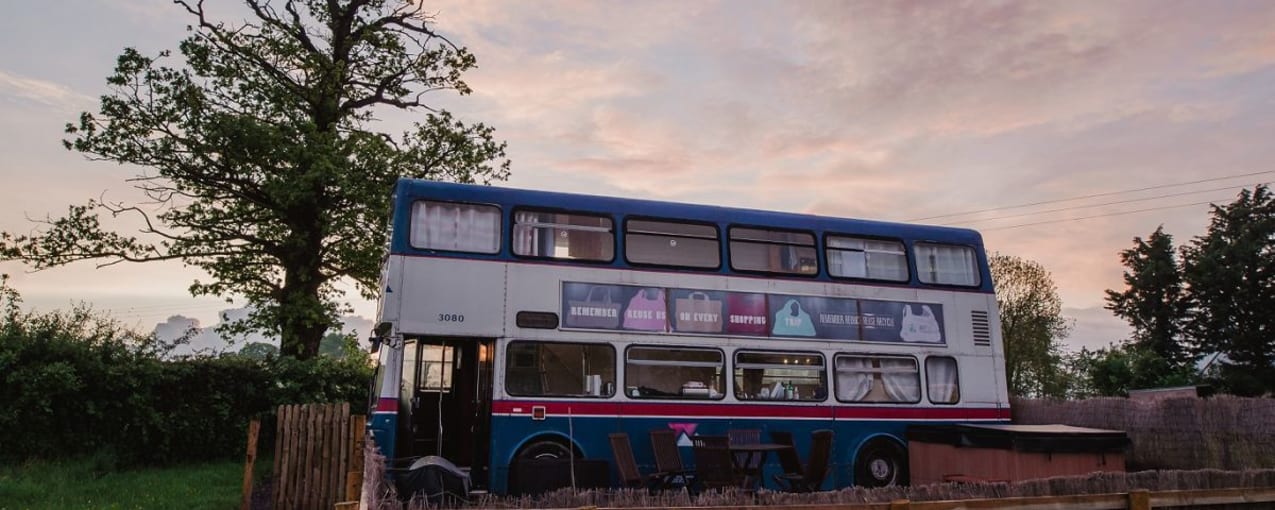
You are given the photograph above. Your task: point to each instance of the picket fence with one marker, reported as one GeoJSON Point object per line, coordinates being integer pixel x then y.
{"type": "Point", "coordinates": [318, 459]}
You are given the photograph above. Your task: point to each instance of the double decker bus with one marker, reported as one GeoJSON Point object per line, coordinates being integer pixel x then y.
{"type": "Point", "coordinates": [519, 324]}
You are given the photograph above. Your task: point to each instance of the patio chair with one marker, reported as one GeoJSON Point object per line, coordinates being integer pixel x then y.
{"type": "Point", "coordinates": [788, 460]}
{"type": "Point", "coordinates": [811, 478]}
{"type": "Point", "coordinates": [668, 461]}
{"type": "Point", "coordinates": [624, 461]}
{"type": "Point", "coordinates": [714, 466]}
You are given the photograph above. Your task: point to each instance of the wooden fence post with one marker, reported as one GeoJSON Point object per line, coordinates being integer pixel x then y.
{"type": "Point", "coordinates": [253, 428]}
{"type": "Point", "coordinates": [1140, 500]}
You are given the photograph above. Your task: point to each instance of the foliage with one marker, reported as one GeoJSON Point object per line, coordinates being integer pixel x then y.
{"type": "Point", "coordinates": [1154, 300]}
{"type": "Point", "coordinates": [73, 383]}
{"type": "Point", "coordinates": [1032, 327]}
{"type": "Point", "coordinates": [1230, 273]}
{"type": "Point", "coordinates": [1115, 370]}
{"type": "Point", "coordinates": [259, 159]}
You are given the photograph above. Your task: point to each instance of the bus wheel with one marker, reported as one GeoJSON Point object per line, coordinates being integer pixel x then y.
{"type": "Point", "coordinates": [881, 463]}
{"type": "Point", "coordinates": [544, 449]}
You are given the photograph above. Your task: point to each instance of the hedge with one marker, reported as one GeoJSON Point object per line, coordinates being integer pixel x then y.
{"type": "Point", "coordinates": [75, 384]}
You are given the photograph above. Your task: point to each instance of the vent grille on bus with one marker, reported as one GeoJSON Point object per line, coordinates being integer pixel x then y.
{"type": "Point", "coordinates": [982, 328]}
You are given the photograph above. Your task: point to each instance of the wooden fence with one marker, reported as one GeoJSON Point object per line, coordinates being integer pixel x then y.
{"type": "Point", "coordinates": [317, 446]}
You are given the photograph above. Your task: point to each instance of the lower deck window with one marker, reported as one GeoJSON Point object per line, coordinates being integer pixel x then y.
{"type": "Point", "coordinates": [780, 376]}
{"type": "Point", "coordinates": [674, 372]}
{"type": "Point", "coordinates": [560, 369]}
{"type": "Point", "coordinates": [942, 380]}
{"type": "Point", "coordinates": [878, 379]}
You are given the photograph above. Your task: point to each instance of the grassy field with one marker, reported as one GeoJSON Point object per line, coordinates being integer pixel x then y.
{"type": "Point", "coordinates": [84, 484]}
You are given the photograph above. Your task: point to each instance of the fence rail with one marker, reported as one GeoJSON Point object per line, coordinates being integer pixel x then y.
{"type": "Point", "coordinates": [314, 451]}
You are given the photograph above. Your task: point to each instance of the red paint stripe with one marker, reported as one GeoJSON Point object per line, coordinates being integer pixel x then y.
{"type": "Point", "coordinates": [387, 405]}
{"type": "Point", "coordinates": [840, 412]}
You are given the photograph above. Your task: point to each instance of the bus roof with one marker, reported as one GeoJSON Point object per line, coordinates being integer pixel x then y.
{"type": "Point", "coordinates": [419, 188]}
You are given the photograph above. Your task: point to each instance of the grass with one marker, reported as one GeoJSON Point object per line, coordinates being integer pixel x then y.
{"type": "Point", "coordinates": [91, 484]}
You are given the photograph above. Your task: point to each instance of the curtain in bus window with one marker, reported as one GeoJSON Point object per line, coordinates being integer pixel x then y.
{"type": "Point", "coordinates": [455, 227]}
{"type": "Point", "coordinates": [946, 264]}
{"type": "Point", "coordinates": [854, 378]}
{"type": "Point", "coordinates": [527, 239]}
{"type": "Point", "coordinates": [941, 380]}
{"type": "Point", "coordinates": [901, 380]}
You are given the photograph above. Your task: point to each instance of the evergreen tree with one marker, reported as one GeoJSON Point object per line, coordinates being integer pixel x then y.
{"type": "Point", "coordinates": [1230, 276]}
{"type": "Point", "coordinates": [259, 155]}
{"type": "Point", "coordinates": [1154, 301]}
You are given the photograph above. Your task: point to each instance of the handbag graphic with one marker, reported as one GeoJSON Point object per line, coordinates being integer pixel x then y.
{"type": "Point", "coordinates": [791, 320]}
{"type": "Point", "coordinates": [923, 328]}
{"type": "Point", "coordinates": [647, 311]}
{"type": "Point", "coordinates": [596, 311]}
{"type": "Point", "coordinates": [698, 313]}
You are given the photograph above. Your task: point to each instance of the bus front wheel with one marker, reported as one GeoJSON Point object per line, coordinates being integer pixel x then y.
{"type": "Point", "coordinates": [544, 449]}
{"type": "Point", "coordinates": [881, 463]}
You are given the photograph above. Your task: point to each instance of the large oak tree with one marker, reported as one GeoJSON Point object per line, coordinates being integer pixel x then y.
{"type": "Point", "coordinates": [256, 148]}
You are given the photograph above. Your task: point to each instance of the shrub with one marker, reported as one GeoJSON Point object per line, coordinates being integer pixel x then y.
{"type": "Point", "coordinates": [75, 383]}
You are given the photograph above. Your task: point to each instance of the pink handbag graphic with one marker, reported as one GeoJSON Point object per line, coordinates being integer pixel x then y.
{"type": "Point", "coordinates": [746, 314]}
{"type": "Point", "coordinates": [647, 311]}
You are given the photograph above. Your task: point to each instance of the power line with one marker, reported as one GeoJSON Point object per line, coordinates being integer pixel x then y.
{"type": "Point", "coordinates": [1129, 201]}
{"type": "Point", "coordinates": [1095, 195]}
{"type": "Point", "coordinates": [1121, 213]}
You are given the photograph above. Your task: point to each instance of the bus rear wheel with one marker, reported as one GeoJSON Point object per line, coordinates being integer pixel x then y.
{"type": "Point", "coordinates": [881, 463]}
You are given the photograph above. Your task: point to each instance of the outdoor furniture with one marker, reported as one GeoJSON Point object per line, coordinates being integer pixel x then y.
{"type": "Point", "coordinates": [624, 461]}
{"type": "Point", "coordinates": [714, 466]}
{"type": "Point", "coordinates": [789, 461]}
{"type": "Point", "coordinates": [811, 478]}
{"type": "Point", "coordinates": [668, 461]}
{"type": "Point", "coordinates": [741, 437]}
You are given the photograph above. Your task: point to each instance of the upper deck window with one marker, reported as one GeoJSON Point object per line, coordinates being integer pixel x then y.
{"type": "Point", "coordinates": [946, 264]}
{"type": "Point", "coordinates": [667, 243]}
{"type": "Point", "coordinates": [773, 251]}
{"type": "Point", "coordinates": [454, 226]}
{"type": "Point", "coordinates": [872, 259]}
{"type": "Point", "coordinates": [559, 235]}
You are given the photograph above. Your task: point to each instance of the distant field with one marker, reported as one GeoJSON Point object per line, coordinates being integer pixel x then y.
{"type": "Point", "coordinates": [80, 484]}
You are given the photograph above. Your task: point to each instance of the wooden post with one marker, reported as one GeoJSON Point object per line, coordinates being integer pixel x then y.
{"type": "Point", "coordinates": [1140, 500]}
{"type": "Point", "coordinates": [900, 504]}
{"type": "Point", "coordinates": [253, 428]}
{"type": "Point", "coordinates": [354, 478]}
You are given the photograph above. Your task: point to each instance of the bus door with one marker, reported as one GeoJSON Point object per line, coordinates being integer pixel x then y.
{"type": "Point", "coordinates": [450, 408]}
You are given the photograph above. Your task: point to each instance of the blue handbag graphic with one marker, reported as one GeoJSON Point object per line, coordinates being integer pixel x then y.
{"type": "Point", "coordinates": [791, 320]}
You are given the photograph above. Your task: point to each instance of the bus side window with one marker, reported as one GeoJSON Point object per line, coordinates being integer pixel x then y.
{"type": "Point", "coordinates": [878, 379]}
{"type": "Point", "coordinates": [555, 235]}
{"type": "Point", "coordinates": [560, 369]}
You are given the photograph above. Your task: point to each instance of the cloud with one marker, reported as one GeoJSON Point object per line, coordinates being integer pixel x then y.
{"type": "Point", "coordinates": [42, 92]}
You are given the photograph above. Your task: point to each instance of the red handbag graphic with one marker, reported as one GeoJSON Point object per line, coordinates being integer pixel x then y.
{"type": "Point", "coordinates": [746, 314]}
{"type": "Point", "coordinates": [647, 311]}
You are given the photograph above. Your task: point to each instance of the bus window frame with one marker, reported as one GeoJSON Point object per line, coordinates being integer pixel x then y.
{"type": "Point", "coordinates": [513, 222]}
{"type": "Point", "coordinates": [508, 363]}
{"type": "Point", "coordinates": [716, 229]}
{"type": "Point", "coordinates": [956, 364]}
{"type": "Point", "coordinates": [726, 368]}
{"type": "Point", "coordinates": [978, 269]}
{"type": "Point", "coordinates": [814, 239]}
{"type": "Point", "coordinates": [907, 259]}
{"type": "Point", "coordinates": [913, 357]}
{"type": "Point", "coordinates": [411, 220]}
{"type": "Point", "coordinates": [735, 363]}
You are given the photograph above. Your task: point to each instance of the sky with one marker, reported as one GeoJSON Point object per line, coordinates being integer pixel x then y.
{"type": "Point", "coordinates": [901, 111]}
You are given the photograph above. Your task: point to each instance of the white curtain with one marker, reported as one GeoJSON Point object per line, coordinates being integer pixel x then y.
{"type": "Point", "coordinates": [526, 235]}
{"type": "Point", "coordinates": [867, 258]}
{"type": "Point", "coordinates": [941, 380]}
{"type": "Point", "coordinates": [946, 264]}
{"type": "Point", "coordinates": [854, 378]}
{"type": "Point", "coordinates": [900, 378]}
{"type": "Point", "coordinates": [455, 227]}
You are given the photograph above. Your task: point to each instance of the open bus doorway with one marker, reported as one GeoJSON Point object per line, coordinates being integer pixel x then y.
{"type": "Point", "coordinates": [447, 402]}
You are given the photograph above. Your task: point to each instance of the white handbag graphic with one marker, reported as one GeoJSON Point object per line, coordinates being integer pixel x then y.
{"type": "Point", "coordinates": [923, 328]}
